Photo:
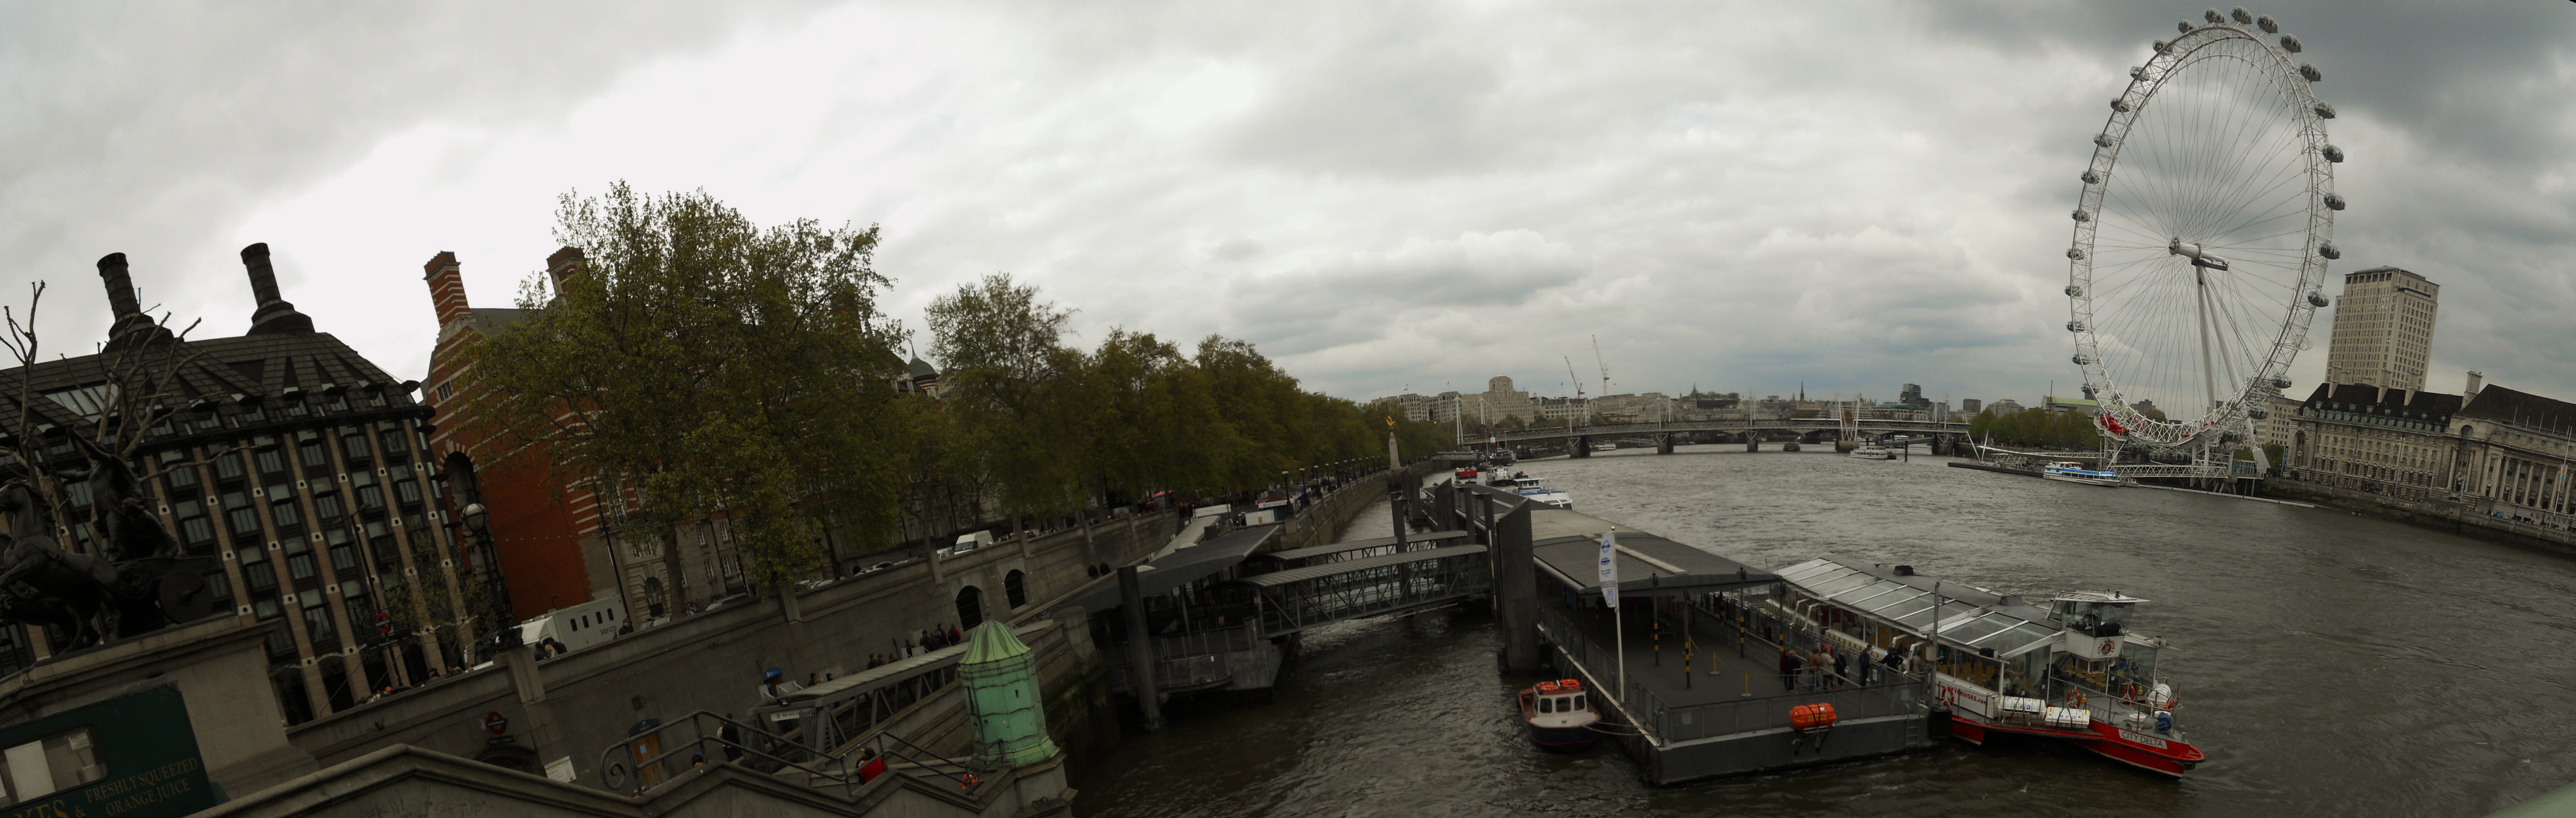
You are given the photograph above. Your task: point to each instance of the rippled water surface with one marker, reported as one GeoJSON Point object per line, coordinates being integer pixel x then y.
{"type": "Point", "coordinates": [2330, 664]}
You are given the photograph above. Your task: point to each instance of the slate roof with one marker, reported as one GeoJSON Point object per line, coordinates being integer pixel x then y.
{"type": "Point", "coordinates": [2524, 408]}
{"type": "Point", "coordinates": [2402, 404]}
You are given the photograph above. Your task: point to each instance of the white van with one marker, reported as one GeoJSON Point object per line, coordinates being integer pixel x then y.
{"type": "Point", "coordinates": [968, 542]}
{"type": "Point", "coordinates": [579, 626]}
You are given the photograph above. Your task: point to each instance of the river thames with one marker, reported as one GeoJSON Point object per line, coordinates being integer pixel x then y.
{"type": "Point", "coordinates": [2328, 663]}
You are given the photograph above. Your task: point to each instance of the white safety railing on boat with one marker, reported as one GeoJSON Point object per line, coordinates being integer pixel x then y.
{"type": "Point", "coordinates": [1666, 723]}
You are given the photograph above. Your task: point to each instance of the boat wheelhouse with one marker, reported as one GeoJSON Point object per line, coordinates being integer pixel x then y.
{"type": "Point", "coordinates": [1560, 714]}
{"type": "Point", "coordinates": [2069, 671]}
{"type": "Point", "coordinates": [2077, 473]}
{"type": "Point", "coordinates": [1873, 451]}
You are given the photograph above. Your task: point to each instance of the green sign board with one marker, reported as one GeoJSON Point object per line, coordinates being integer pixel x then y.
{"type": "Point", "coordinates": [130, 757]}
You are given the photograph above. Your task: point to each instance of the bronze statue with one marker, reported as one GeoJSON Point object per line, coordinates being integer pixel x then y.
{"type": "Point", "coordinates": [82, 584]}
{"type": "Point", "coordinates": [132, 531]}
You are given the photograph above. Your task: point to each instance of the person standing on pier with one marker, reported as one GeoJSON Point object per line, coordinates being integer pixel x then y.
{"type": "Point", "coordinates": [1788, 671]}
{"type": "Point", "coordinates": [1839, 670]}
{"type": "Point", "coordinates": [1816, 669]}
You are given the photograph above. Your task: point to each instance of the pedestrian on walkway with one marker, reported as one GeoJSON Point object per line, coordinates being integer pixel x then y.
{"type": "Point", "coordinates": [1788, 671]}
{"type": "Point", "coordinates": [1839, 670]}
{"type": "Point", "coordinates": [1816, 669]}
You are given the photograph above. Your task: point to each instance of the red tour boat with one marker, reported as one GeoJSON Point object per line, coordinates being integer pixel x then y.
{"type": "Point", "coordinates": [1560, 714]}
{"type": "Point", "coordinates": [2000, 665]}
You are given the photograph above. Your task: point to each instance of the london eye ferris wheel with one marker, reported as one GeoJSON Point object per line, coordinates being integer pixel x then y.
{"type": "Point", "coordinates": [2202, 234]}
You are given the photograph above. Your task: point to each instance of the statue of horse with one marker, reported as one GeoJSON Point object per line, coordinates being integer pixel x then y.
{"type": "Point", "coordinates": [83, 584]}
{"type": "Point", "coordinates": [132, 531]}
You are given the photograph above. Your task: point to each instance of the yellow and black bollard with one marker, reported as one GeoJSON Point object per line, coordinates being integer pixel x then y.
{"type": "Point", "coordinates": [1659, 644]}
{"type": "Point", "coordinates": [1686, 662]}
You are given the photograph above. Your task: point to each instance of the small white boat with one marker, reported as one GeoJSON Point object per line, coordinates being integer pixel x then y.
{"type": "Point", "coordinates": [1605, 447]}
{"type": "Point", "coordinates": [1872, 451]}
{"type": "Point", "coordinates": [1535, 489]}
{"type": "Point", "coordinates": [2077, 473]}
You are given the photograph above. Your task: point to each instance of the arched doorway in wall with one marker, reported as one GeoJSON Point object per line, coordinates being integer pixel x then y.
{"type": "Point", "coordinates": [970, 608]}
{"type": "Point", "coordinates": [1015, 588]}
{"type": "Point", "coordinates": [653, 598]}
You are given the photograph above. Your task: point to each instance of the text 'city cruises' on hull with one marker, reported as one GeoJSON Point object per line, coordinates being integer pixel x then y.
{"type": "Point", "coordinates": [2069, 671]}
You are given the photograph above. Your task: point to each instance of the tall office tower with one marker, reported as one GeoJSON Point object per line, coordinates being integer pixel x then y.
{"type": "Point", "coordinates": [2383, 329]}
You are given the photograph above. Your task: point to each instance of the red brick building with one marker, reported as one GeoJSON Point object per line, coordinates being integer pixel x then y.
{"type": "Point", "coordinates": [548, 533]}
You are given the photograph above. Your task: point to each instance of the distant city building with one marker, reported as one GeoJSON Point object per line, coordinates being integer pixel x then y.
{"type": "Point", "coordinates": [2383, 329]}
{"type": "Point", "coordinates": [1971, 406]}
{"type": "Point", "coordinates": [2395, 442]}
{"type": "Point", "coordinates": [2006, 406]}
{"type": "Point", "coordinates": [2514, 453]}
{"type": "Point", "coordinates": [2085, 406]}
{"type": "Point", "coordinates": [1912, 395]}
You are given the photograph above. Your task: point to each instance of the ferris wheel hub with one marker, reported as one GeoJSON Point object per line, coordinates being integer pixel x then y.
{"type": "Point", "coordinates": [2198, 256]}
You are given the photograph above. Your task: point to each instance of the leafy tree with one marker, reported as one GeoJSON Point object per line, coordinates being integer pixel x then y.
{"type": "Point", "coordinates": [711, 365]}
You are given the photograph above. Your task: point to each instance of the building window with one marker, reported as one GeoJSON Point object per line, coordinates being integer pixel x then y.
{"type": "Point", "coordinates": [408, 491]}
{"type": "Point", "coordinates": [326, 508]}
{"type": "Point", "coordinates": [317, 623]}
{"type": "Point", "coordinates": [379, 537]}
{"type": "Point", "coordinates": [228, 468]}
{"type": "Point", "coordinates": [447, 390]}
{"type": "Point", "coordinates": [371, 496]}
{"type": "Point", "coordinates": [308, 445]}
{"type": "Point", "coordinates": [257, 571]}
{"type": "Point", "coordinates": [353, 445]}
{"type": "Point", "coordinates": [397, 450]}
{"type": "Point", "coordinates": [344, 557]}
{"type": "Point", "coordinates": [271, 463]}
{"type": "Point", "coordinates": [283, 511]}
{"type": "Point", "coordinates": [299, 561]}
{"type": "Point", "coordinates": [179, 473]}
{"type": "Point", "coordinates": [245, 522]}
{"type": "Point", "coordinates": [193, 525]}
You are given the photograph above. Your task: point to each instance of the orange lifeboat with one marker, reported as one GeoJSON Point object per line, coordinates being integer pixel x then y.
{"type": "Point", "coordinates": [1805, 717]}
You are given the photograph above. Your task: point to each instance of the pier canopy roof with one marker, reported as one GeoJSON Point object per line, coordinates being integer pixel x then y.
{"type": "Point", "coordinates": [1189, 564]}
{"type": "Point", "coordinates": [1567, 545]}
{"type": "Point", "coordinates": [1302, 557]}
{"type": "Point", "coordinates": [1971, 616]}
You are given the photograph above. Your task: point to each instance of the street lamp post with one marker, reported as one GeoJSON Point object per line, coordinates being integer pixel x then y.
{"type": "Point", "coordinates": [478, 522]}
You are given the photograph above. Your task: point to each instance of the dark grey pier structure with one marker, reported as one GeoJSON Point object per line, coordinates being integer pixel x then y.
{"type": "Point", "coordinates": [1701, 689]}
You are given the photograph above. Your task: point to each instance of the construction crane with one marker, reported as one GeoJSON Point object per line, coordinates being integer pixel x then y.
{"type": "Point", "coordinates": [1584, 408]}
{"type": "Point", "coordinates": [1605, 366]}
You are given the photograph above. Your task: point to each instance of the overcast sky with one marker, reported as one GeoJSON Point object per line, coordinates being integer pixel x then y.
{"type": "Point", "coordinates": [1734, 196]}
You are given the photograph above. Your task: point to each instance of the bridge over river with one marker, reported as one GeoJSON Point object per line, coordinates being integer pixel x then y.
{"type": "Point", "coordinates": [1666, 434]}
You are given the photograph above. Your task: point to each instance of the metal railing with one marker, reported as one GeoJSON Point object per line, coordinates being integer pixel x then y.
{"type": "Point", "coordinates": [1666, 723]}
{"type": "Point", "coordinates": [621, 770]}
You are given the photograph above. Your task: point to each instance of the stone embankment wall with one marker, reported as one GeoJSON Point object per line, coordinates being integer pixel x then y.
{"type": "Point", "coordinates": [2467, 518]}
{"type": "Point", "coordinates": [582, 703]}
{"type": "Point", "coordinates": [1323, 521]}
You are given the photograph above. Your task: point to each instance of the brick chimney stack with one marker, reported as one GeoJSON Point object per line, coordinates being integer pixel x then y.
{"type": "Point", "coordinates": [446, 289]}
{"type": "Point", "coordinates": [2476, 379]}
{"type": "Point", "coordinates": [564, 266]}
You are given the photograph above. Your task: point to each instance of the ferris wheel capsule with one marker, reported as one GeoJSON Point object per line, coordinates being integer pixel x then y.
{"type": "Point", "coordinates": [2334, 201]}
{"type": "Point", "coordinates": [2329, 251]}
{"type": "Point", "coordinates": [2241, 15]}
{"type": "Point", "coordinates": [2267, 24]}
{"type": "Point", "coordinates": [2332, 153]}
{"type": "Point", "coordinates": [2311, 73]}
{"type": "Point", "coordinates": [2325, 111]}
{"type": "Point", "coordinates": [2280, 381]}
{"type": "Point", "coordinates": [2290, 43]}
{"type": "Point", "coordinates": [2317, 299]}
{"type": "Point", "coordinates": [2213, 17]}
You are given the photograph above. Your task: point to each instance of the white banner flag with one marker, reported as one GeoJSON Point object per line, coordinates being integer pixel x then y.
{"type": "Point", "coordinates": [1609, 571]}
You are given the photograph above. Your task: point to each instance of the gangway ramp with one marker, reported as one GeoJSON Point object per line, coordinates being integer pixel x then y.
{"type": "Point", "coordinates": [1350, 550]}
{"type": "Point", "coordinates": [1300, 598]}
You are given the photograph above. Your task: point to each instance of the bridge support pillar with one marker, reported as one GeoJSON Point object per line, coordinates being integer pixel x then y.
{"type": "Point", "coordinates": [1752, 442]}
{"type": "Point", "coordinates": [1140, 648]}
{"type": "Point", "coordinates": [1516, 589]}
{"type": "Point", "coordinates": [1663, 444]}
{"type": "Point", "coordinates": [1579, 446]}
